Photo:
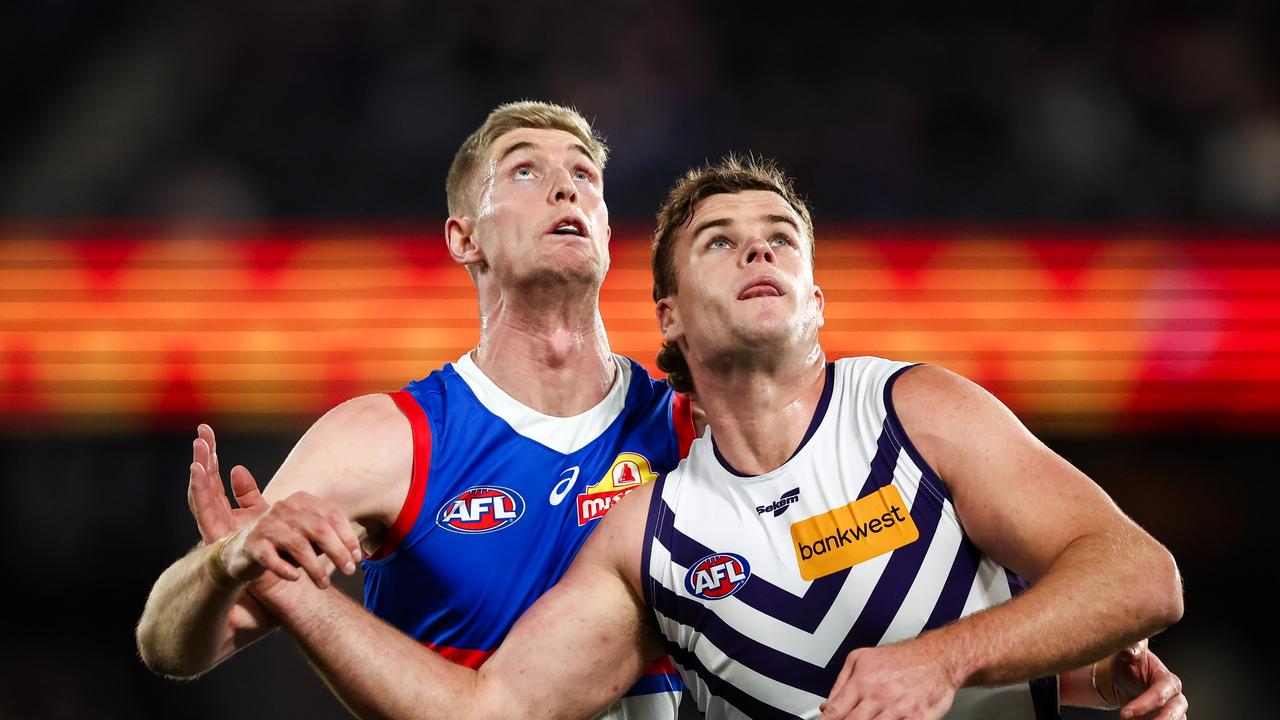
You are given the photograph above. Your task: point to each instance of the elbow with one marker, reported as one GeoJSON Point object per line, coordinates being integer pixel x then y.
{"type": "Point", "coordinates": [1163, 590]}
{"type": "Point", "coordinates": [151, 652]}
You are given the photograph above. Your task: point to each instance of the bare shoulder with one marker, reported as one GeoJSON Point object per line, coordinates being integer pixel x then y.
{"type": "Point", "coordinates": [949, 417]}
{"type": "Point", "coordinates": [359, 455]}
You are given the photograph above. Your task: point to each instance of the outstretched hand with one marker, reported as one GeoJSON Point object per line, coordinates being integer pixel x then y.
{"type": "Point", "coordinates": [214, 515]}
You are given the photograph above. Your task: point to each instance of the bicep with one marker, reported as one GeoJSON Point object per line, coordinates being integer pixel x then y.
{"type": "Point", "coordinates": [1018, 500]}
{"type": "Point", "coordinates": [359, 456]}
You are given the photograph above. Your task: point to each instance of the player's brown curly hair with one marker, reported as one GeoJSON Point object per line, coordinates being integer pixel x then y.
{"type": "Point", "coordinates": [733, 174]}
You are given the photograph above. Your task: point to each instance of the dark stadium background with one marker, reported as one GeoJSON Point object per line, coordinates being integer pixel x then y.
{"type": "Point", "coordinates": [1104, 138]}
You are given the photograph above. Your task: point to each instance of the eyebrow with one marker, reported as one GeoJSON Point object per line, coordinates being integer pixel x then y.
{"type": "Point", "coordinates": [526, 145]}
{"type": "Point", "coordinates": [726, 222]}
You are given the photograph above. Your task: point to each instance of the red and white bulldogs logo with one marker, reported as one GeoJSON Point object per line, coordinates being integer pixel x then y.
{"type": "Point", "coordinates": [481, 509]}
{"type": "Point", "coordinates": [717, 576]}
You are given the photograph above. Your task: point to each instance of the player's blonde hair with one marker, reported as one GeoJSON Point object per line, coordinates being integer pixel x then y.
{"type": "Point", "coordinates": [733, 174]}
{"type": "Point", "coordinates": [460, 186]}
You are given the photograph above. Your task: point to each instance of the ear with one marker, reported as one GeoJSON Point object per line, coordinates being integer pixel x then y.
{"type": "Point", "coordinates": [458, 236]}
{"type": "Point", "coordinates": [669, 323]}
{"type": "Point", "coordinates": [821, 301]}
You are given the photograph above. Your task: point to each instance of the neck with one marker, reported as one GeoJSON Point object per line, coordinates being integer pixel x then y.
{"type": "Point", "coordinates": [759, 413]}
{"type": "Point", "coordinates": [550, 353]}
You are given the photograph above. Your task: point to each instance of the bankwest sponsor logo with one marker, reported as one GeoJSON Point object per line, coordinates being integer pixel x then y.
{"type": "Point", "coordinates": [779, 506]}
{"type": "Point", "coordinates": [629, 471]}
{"type": "Point", "coordinates": [717, 576]}
{"type": "Point", "coordinates": [481, 509]}
{"type": "Point", "coordinates": [863, 529]}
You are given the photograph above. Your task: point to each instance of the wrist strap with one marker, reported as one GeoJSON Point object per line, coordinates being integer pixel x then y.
{"type": "Point", "coordinates": [1107, 689]}
{"type": "Point", "coordinates": [214, 566]}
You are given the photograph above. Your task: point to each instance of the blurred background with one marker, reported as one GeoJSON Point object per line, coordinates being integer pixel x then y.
{"type": "Point", "coordinates": [231, 212]}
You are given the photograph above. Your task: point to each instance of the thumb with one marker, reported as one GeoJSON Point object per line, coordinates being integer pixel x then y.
{"type": "Point", "coordinates": [245, 488]}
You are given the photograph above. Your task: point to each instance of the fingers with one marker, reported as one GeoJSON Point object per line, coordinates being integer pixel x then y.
{"type": "Point", "coordinates": [207, 504]}
{"type": "Point", "coordinates": [301, 531]}
{"type": "Point", "coordinates": [245, 488]}
{"type": "Point", "coordinates": [301, 552]}
{"type": "Point", "coordinates": [262, 554]}
{"type": "Point", "coordinates": [843, 697]}
{"type": "Point", "coordinates": [1164, 688]}
{"type": "Point", "coordinates": [203, 452]}
{"type": "Point", "coordinates": [204, 432]}
{"type": "Point", "coordinates": [327, 538]}
{"type": "Point", "coordinates": [1175, 709]}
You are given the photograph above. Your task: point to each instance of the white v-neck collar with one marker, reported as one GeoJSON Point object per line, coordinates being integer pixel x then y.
{"type": "Point", "coordinates": [562, 434]}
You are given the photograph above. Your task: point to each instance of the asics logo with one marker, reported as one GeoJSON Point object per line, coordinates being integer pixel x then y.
{"type": "Point", "coordinates": [561, 490]}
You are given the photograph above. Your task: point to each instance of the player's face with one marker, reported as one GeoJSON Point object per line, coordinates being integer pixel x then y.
{"type": "Point", "coordinates": [745, 278]}
{"type": "Point", "coordinates": [541, 213]}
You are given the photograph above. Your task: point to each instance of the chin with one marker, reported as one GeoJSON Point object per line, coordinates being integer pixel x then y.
{"type": "Point", "coordinates": [561, 274]}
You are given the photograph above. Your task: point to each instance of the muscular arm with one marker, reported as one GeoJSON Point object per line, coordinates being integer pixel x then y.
{"type": "Point", "coordinates": [592, 624]}
{"type": "Point", "coordinates": [358, 457]}
{"type": "Point", "coordinates": [1099, 582]}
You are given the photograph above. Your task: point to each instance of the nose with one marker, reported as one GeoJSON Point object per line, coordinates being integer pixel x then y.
{"type": "Point", "coordinates": [759, 250]}
{"type": "Point", "coordinates": [563, 188]}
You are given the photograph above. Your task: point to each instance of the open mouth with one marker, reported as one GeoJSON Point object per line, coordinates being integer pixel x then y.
{"type": "Point", "coordinates": [761, 287]}
{"type": "Point", "coordinates": [569, 226]}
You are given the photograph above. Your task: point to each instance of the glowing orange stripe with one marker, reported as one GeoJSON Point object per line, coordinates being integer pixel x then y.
{"type": "Point", "coordinates": [1086, 327]}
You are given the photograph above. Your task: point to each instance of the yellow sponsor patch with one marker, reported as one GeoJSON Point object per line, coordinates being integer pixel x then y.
{"type": "Point", "coordinates": [863, 529]}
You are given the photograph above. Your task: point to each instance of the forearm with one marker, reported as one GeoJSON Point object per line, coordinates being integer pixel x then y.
{"type": "Point", "coordinates": [190, 624]}
{"type": "Point", "coordinates": [376, 670]}
{"type": "Point", "coordinates": [1100, 594]}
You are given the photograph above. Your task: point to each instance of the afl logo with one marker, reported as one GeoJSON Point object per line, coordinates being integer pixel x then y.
{"type": "Point", "coordinates": [717, 576]}
{"type": "Point", "coordinates": [481, 509]}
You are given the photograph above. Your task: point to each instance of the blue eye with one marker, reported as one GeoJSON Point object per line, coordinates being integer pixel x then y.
{"type": "Point", "coordinates": [782, 240]}
{"type": "Point", "coordinates": [523, 172]}
{"type": "Point", "coordinates": [718, 244]}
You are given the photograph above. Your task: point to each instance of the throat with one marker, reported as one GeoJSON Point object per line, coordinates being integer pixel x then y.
{"type": "Point", "coordinates": [758, 431]}
{"type": "Point", "coordinates": [561, 373]}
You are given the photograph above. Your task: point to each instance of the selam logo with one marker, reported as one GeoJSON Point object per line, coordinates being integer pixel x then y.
{"type": "Point", "coordinates": [717, 576]}
{"type": "Point", "coordinates": [779, 506]}
{"type": "Point", "coordinates": [481, 509]}
{"type": "Point", "coordinates": [629, 471]}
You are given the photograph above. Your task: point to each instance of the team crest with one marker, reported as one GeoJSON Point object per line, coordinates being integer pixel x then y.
{"type": "Point", "coordinates": [717, 576]}
{"type": "Point", "coordinates": [629, 471]}
{"type": "Point", "coordinates": [482, 509]}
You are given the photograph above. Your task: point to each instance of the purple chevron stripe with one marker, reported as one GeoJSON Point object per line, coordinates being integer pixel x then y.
{"type": "Point", "coordinates": [744, 649]}
{"type": "Point", "coordinates": [659, 518]}
{"type": "Point", "coordinates": [804, 612]}
{"type": "Point", "coordinates": [898, 577]}
{"type": "Point", "coordinates": [956, 589]}
{"type": "Point", "coordinates": [747, 704]}
{"type": "Point", "coordinates": [894, 427]}
{"type": "Point", "coordinates": [882, 465]}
